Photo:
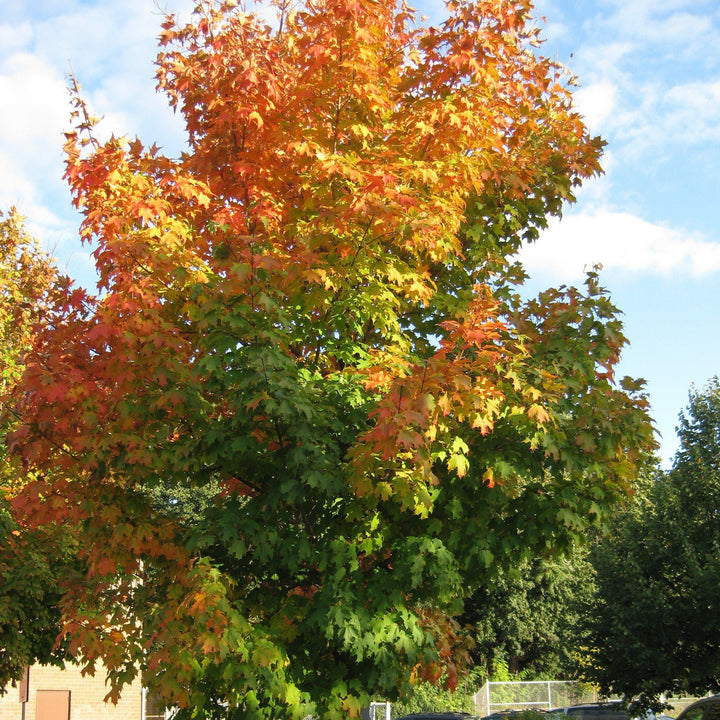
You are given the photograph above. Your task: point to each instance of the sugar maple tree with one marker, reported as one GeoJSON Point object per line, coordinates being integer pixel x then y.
{"type": "Point", "coordinates": [310, 321]}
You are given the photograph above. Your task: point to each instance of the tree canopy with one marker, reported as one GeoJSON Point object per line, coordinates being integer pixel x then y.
{"type": "Point", "coordinates": [314, 313]}
{"type": "Point", "coordinates": [659, 571]}
{"type": "Point", "coordinates": [530, 619]}
{"type": "Point", "coordinates": [31, 558]}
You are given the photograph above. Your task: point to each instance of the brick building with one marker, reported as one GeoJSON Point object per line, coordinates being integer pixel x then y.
{"type": "Point", "coordinates": [55, 694]}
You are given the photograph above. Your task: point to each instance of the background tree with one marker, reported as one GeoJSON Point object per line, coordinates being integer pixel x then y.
{"type": "Point", "coordinates": [524, 624]}
{"type": "Point", "coordinates": [31, 559]}
{"type": "Point", "coordinates": [659, 570]}
{"type": "Point", "coordinates": [316, 309]}
{"type": "Point", "coordinates": [435, 696]}
{"type": "Point", "coordinates": [529, 617]}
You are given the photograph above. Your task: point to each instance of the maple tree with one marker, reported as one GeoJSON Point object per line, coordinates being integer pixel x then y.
{"type": "Point", "coordinates": [31, 559]}
{"type": "Point", "coordinates": [311, 321]}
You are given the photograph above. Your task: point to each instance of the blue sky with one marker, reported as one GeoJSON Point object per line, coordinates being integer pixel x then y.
{"type": "Point", "coordinates": [649, 83]}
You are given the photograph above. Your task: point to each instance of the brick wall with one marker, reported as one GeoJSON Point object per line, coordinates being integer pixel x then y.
{"type": "Point", "coordinates": [86, 696]}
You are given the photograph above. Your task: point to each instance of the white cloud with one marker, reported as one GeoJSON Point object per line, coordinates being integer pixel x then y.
{"type": "Point", "coordinates": [31, 138]}
{"type": "Point", "coordinates": [658, 120]}
{"type": "Point", "coordinates": [651, 116]}
{"type": "Point", "coordinates": [649, 71]}
{"type": "Point", "coordinates": [19, 188]}
{"type": "Point", "coordinates": [15, 37]}
{"type": "Point", "coordinates": [15, 189]}
{"type": "Point", "coordinates": [111, 47]}
{"type": "Point", "coordinates": [596, 103]}
{"type": "Point", "coordinates": [602, 61]}
{"type": "Point", "coordinates": [618, 241]}
{"type": "Point", "coordinates": [685, 24]}
{"type": "Point", "coordinates": [36, 98]}
{"type": "Point", "coordinates": [693, 112]}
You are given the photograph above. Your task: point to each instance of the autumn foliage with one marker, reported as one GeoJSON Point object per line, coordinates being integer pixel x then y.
{"type": "Point", "coordinates": [32, 559]}
{"type": "Point", "coordinates": [311, 322]}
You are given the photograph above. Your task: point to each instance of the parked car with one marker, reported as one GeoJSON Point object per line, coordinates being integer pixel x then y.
{"type": "Point", "coordinates": [612, 710]}
{"type": "Point", "coordinates": [706, 709]}
{"type": "Point", "coordinates": [597, 711]}
{"type": "Point", "coordinates": [502, 715]}
{"type": "Point", "coordinates": [439, 716]}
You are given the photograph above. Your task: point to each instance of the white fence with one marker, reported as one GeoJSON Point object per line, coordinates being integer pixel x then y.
{"type": "Point", "coordinates": [546, 695]}
{"type": "Point", "coordinates": [538, 694]}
